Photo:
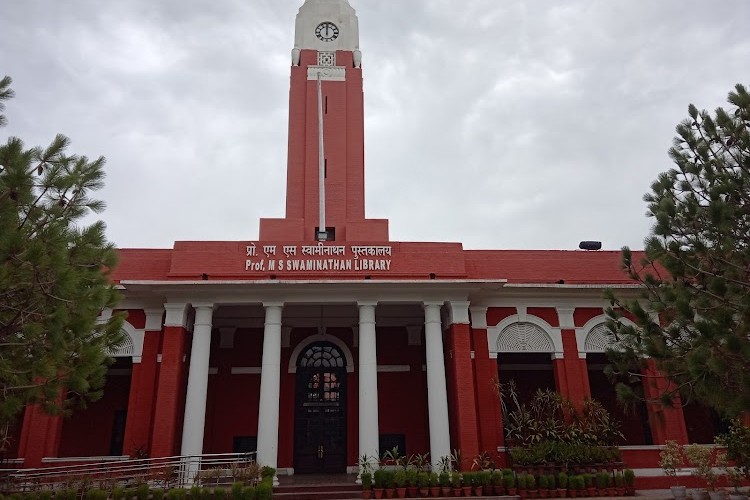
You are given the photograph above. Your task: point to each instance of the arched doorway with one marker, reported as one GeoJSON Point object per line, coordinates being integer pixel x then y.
{"type": "Point", "coordinates": [320, 410]}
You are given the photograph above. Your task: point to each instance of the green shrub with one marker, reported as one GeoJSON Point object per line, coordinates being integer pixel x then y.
{"type": "Point", "coordinates": [64, 494]}
{"type": "Point", "coordinates": [379, 477]}
{"type": "Point", "coordinates": [411, 477]}
{"type": "Point", "coordinates": [142, 491]}
{"type": "Point", "coordinates": [46, 495]}
{"type": "Point", "coordinates": [96, 494]}
{"type": "Point", "coordinates": [220, 494]}
{"type": "Point", "coordinates": [176, 494]}
{"type": "Point", "coordinates": [118, 493]}
{"type": "Point", "coordinates": [434, 479]}
{"type": "Point", "coordinates": [423, 479]}
{"type": "Point", "coordinates": [237, 491]}
{"type": "Point", "coordinates": [509, 479]}
{"type": "Point", "coordinates": [629, 477]}
{"type": "Point", "coordinates": [399, 478]}
{"type": "Point", "coordinates": [530, 482]}
{"type": "Point", "coordinates": [267, 471]}
{"type": "Point", "coordinates": [157, 494]}
{"type": "Point", "coordinates": [366, 480]}
{"type": "Point", "coordinates": [456, 479]}
{"type": "Point", "coordinates": [388, 477]}
{"type": "Point", "coordinates": [249, 493]}
{"type": "Point", "coordinates": [444, 479]}
{"type": "Point", "coordinates": [264, 490]}
{"type": "Point", "coordinates": [521, 481]}
{"type": "Point", "coordinates": [619, 481]}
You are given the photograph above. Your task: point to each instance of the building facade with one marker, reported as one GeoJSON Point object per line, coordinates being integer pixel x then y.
{"type": "Point", "coordinates": [325, 340]}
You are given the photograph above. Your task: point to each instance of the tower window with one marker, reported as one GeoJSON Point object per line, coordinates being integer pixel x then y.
{"type": "Point", "coordinates": [326, 105]}
{"type": "Point", "coordinates": [325, 168]}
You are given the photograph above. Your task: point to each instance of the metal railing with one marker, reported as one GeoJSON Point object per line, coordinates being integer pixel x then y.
{"type": "Point", "coordinates": [163, 472]}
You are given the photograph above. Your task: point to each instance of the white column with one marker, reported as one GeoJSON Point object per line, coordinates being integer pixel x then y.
{"type": "Point", "coordinates": [368, 384]}
{"type": "Point", "coordinates": [437, 395]}
{"type": "Point", "coordinates": [270, 383]}
{"type": "Point", "coordinates": [194, 422]}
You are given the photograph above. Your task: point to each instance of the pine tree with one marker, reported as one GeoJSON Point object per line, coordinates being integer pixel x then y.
{"type": "Point", "coordinates": [53, 279]}
{"type": "Point", "coordinates": [693, 315]}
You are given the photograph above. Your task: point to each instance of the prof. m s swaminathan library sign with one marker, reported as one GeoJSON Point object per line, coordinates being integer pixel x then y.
{"type": "Point", "coordinates": [319, 257]}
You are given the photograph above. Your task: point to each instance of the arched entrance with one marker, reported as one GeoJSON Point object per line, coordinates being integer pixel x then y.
{"type": "Point", "coordinates": [320, 410]}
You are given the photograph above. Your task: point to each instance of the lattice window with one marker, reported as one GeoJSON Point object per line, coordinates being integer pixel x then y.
{"type": "Point", "coordinates": [321, 355]}
{"type": "Point", "coordinates": [127, 348]}
{"type": "Point", "coordinates": [524, 337]}
{"type": "Point", "coordinates": [598, 339]}
{"type": "Point", "coordinates": [326, 59]}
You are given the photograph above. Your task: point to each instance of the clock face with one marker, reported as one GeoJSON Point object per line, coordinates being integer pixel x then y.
{"type": "Point", "coordinates": [327, 31]}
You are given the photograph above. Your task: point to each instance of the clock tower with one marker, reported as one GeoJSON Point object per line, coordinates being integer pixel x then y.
{"type": "Point", "coordinates": [325, 93]}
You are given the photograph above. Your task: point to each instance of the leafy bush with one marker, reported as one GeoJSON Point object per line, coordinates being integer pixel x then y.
{"type": "Point", "coordinates": [264, 490]}
{"type": "Point", "coordinates": [366, 480]}
{"type": "Point", "coordinates": [96, 494]}
{"type": "Point", "coordinates": [219, 494]}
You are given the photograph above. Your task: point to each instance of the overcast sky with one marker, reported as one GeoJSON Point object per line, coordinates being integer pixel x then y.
{"type": "Point", "coordinates": [501, 124]}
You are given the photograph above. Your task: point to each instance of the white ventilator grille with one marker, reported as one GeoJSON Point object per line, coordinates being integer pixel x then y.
{"type": "Point", "coordinates": [524, 337]}
{"type": "Point", "coordinates": [126, 349]}
{"type": "Point", "coordinates": [326, 59]}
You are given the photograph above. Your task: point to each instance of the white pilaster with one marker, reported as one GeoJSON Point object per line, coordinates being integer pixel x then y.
{"type": "Point", "coordinates": [270, 383]}
{"type": "Point", "coordinates": [437, 395]}
{"type": "Point", "coordinates": [368, 383]}
{"type": "Point", "coordinates": [195, 402]}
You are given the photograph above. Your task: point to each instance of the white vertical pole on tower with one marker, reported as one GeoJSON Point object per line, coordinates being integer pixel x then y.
{"type": "Point", "coordinates": [322, 234]}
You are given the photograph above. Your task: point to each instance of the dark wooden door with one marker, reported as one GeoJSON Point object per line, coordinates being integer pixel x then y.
{"type": "Point", "coordinates": [320, 415]}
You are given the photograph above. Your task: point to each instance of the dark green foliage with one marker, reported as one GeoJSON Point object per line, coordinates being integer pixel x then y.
{"type": "Point", "coordinates": [562, 480]}
{"type": "Point", "coordinates": [266, 472]}
{"type": "Point", "coordinates": [66, 494]}
{"type": "Point", "coordinates": [628, 476]}
{"type": "Point", "coordinates": [509, 479]}
{"type": "Point", "coordinates": [53, 279]}
{"type": "Point", "coordinates": [249, 493]}
{"type": "Point", "coordinates": [237, 491]}
{"type": "Point", "coordinates": [399, 478]}
{"type": "Point", "coordinates": [388, 478]}
{"type": "Point", "coordinates": [456, 479]}
{"type": "Point", "coordinates": [176, 494]}
{"type": "Point", "coordinates": [157, 494]}
{"type": "Point", "coordinates": [118, 493]}
{"type": "Point", "coordinates": [264, 490]}
{"type": "Point", "coordinates": [142, 492]}
{"type": "Point", "coordinates": [219, 494]}
{"type": "Point", "coordinates": [444, 479]}
{"type": "Point", "coordinates": [423, 479]}
{"type": "Point", "coordinates": [96, 494]}
{"type": "Point", "coordinates": [46, 495]}
{"type": "Point", "coordinates": [366, 480]}
{"type": "Point", "coordinates": [737, 443]}
{"type": "Point", "coordinates": [379, 476]}
{"type": "Point", "coordinates": [695, 274]}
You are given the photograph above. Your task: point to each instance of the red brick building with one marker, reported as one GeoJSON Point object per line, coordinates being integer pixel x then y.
{"type": "Point", "coordinates": [316, 347]}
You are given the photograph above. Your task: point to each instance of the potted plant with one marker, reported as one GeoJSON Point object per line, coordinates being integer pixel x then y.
{"type": "Point", "coordinates": [588, 481]}
{"type": "Point", "coordinates": [531, 490]}
{"type": "Point", "coordinates": [390, 489]}
{"type": "Point", "coordinates": [670, 460]}
{"type": "Point", "coordinates": [399, 479]}
{"type": "Point", "coordinates": [628, 476]}
{"type": "Point", "coordinates": [497, 482]}
{"type": "Point", "coordinates": [509, 481]}
{"type": "Point", "coordinates": [366, 478]}
{"type": "Point", "coordinates": [444, 479]}
{"type": "Point", "coordinates": [477, 483]}
{"type": "Point", "coordinates": [601, 483]}
{"type": "Point", "coordinates": [543, 486]}
{"type": "Point", "coordinates": [423, 483]}
{"type": "Point", "coordinates": [575, 486]}
{"type": "Point", "coordinates": [456, 483]}
{"type": "Point", "coordinates": [562, 484]}
{"type": "Point", "coordinates": [411, 482]}
{"type": "Point", "coordinates": [521, 485]}
{"type": "Point", "coordinates": [734, 476]}
{"type": "Point", "coordinates": [434, 484]}
{"type": "Point", "coordinates": [619, 484]}
{"type": "Point", "coordinates": [379, 482]}
{"type": "Point", "coordinates": [703, 462]}
{"type": "Point", "coordinates": [466, 480]}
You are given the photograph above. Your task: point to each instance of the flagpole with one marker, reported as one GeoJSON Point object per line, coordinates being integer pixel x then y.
{"type": "Point", "coordinates": [322, 233]}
